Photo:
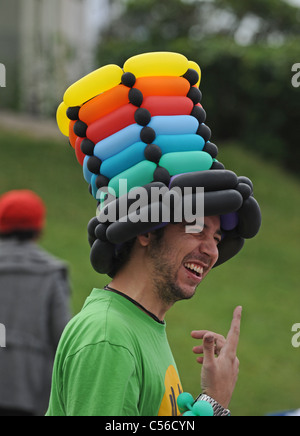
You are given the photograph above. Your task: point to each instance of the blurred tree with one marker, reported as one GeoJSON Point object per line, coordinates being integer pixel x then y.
{"type": "Point", "coordinates": [156, 23]}
{"type": "Point", "coordinates": [274, 18]}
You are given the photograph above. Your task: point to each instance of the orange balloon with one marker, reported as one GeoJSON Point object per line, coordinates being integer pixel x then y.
{"type": "Point", "coordinates": [104, 104]}
{"type": "Point", "coordinates": [164, 86]}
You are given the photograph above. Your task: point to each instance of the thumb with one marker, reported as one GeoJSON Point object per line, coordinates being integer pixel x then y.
{"type": "Point", "coordinates": [209, 348]}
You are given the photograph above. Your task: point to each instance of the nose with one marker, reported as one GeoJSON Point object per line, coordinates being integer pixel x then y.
{"type": "Point", "coordinates": [209, 248]}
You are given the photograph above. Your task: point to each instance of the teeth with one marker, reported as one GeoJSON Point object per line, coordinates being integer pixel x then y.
{"type": "Point", "coordinates": [194, 267]}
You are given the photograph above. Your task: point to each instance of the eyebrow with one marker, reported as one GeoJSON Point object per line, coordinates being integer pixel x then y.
{"type": "Point", "coordinates": [218, 232]}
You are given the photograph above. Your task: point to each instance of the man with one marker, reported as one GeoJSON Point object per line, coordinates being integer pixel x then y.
{"type": "Point", "coordinates": [115, 359]}
{"type": "Point", "coordinates": [34, 306]}
{"type": "Point", "coordinates": [145, 125]}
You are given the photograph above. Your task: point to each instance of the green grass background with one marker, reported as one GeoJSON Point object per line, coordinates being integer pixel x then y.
{"type": "Point", "coordinates": [264, 278]}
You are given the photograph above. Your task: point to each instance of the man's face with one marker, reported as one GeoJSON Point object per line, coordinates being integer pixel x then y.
{"type": "Point", "coordinates": [180, 261]}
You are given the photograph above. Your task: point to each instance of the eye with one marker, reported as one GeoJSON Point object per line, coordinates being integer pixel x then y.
{"type": "Point", "coordinates": [218, 239]}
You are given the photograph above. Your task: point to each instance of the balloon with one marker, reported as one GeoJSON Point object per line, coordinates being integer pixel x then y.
{"type": "Point", "coordinates": [196, 67]}
{"type": "Point", "coordinates": [203, 408]}
{"type": "Point", "coordinates": [211, 180]}
{"type": "Point", "coordinates": [62, 119]}
{"type": "Point", "coordinates": [93, 223]}
{"type": "Point", "coordinates": [128, 79]}
{"type": "Point", "coordinates": [104, 104]}
{"type": "Point", "coordinates": [101, 255]}
{"type": "Point", "coordinates": [112, 123]}
{"type": "Point", "coordinates": [144, 125]}
{"type": "Point", "coordinates": [87, 147]}
{"type": "Point", "coordinates": [163, 86]}
{"type": "Point", "coordinates": [229, 221]}
{"type": "Point", "coordinates": [174, 125]}
{"type": "Point", "coordinates": [73, 113]}
{"type": "Point", "coordinates": [187, 162]}
{"type": "Point", "coordinates": [249, 219]}
{"type": "Point", "coordinates": [118, 142]}
{"type": "Point", "coordinates": [93, 84]}
{"type": "Point", "coordinates": [179, 143]}
{"type": "Point", "coordinates": [222, 202]}
{"type": "Point", "coordinates": [94, 180]}
{"type": "Point", "coordinates": [139, 175]}
{"type": "Point", "coordinates": [79, 154]}
{"type": "Point", "coordinates": [124, 160]}
{"type": "Point", "coordinates": [122, 231]}
{"type": "Point", "coordinates": [153, 153]}
{"type": "Point", "coordinates": [228, 248]}
{"type": "Point", "coordinates": [116, 208]}
{"type": "Point", "coordinates": [157, 64]}
{"type": "Point", "coordinates": [158, 106]}
{"type": "Point", "coordinates": [185, 402]}
{"type": "Point", "coordinates": [86, 172]}
{"type": "Point", "coordinates": [72, 135]}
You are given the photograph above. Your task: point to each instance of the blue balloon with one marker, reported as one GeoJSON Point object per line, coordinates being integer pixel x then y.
{"type": "Point", "coordinates": [174, 125]}
{"type": "Point", "coordinates": [118, 142]}
{"type": "Point", "coordinates": [179, 143]}
{"type": "Point", "coordinates": [124, 160]}
{"type": "Point", "coordinates": [86, 172]}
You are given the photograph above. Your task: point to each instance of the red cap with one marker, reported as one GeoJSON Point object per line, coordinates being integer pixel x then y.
{"type": "Point", "coordinates": [21, 210]}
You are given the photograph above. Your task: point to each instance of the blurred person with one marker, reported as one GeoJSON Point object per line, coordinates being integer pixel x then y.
{"type": "Point", "coordinates": [34, 306]}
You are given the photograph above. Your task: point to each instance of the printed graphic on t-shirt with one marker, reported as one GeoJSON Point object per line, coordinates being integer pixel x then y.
{"type": "Point", "coordinates": [173, 387]}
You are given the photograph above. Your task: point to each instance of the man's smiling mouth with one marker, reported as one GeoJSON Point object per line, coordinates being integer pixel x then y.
{"type": "Point", "coordinates": [195, 269]}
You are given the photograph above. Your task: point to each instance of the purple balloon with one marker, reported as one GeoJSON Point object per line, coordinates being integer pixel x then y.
{"type": "Point", "coordinates": [229, 221]}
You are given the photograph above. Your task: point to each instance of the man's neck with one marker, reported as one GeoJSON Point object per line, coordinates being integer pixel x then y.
{"type": "Point", "coordinates": [138, 286]}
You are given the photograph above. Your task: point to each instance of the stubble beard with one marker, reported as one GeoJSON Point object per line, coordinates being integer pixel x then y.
{"type": "Point", "coordinates": [165, 275]}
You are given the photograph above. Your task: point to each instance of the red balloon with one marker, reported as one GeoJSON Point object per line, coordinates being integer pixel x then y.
{"type": "Point", "coordinates": [160, 106]}
{"type": "Point", "coordinates": [112, 123]}
{"type": "Point", "coordinates": [80, 156]}
{"type": "Point", "coordinates": [72, 135]}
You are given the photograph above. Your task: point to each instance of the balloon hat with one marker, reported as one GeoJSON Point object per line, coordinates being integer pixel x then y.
{"type": "Point", "coordinates": [145, 125]}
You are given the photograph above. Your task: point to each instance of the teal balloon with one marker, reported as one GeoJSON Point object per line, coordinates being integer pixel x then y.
{"type": "Point", "coordinates": [202, 408]}
{"type": "Point", "coordinates": [188, 414]}
{"type": "Point", "coordinates": [185, 402]}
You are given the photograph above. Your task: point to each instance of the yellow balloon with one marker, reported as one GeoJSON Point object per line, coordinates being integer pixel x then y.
{"type": "Point", "coordinates": [92, 85]}
{"type": "Point", "coordinates": [196, 67]}
{"type": "Point", "coordinates": [157, 64]}
{"type": "Point", "coordinates": [62, 119]}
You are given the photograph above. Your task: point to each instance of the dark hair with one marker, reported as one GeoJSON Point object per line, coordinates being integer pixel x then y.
{"type": "Point", "coordinates": [21, 235]}
{"type": "Point", "coordinates": [123, 253]}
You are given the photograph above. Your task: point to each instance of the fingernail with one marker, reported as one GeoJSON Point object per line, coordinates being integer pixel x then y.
{"type": "Point", "coordinates": [210, 339]}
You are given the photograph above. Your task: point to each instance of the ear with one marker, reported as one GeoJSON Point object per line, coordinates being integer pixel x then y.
{"type": "Point", "coordinates": [144, 240]}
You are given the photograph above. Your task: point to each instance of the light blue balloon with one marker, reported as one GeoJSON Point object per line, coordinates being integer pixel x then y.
{"type": "Point", "coordinates": [174, 125]}
{"type": "Point", "coordinates": [118, 142]}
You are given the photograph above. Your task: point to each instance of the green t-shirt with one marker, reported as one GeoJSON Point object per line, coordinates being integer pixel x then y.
{"type": "Point", "coordinates": [114, 360]}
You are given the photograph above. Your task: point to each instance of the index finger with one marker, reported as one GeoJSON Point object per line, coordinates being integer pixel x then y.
{"type": "Point", "coordinates": [233, 336]}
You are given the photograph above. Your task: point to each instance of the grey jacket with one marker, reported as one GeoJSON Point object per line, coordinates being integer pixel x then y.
{"type": "Point", "coordinates": [34, 308]}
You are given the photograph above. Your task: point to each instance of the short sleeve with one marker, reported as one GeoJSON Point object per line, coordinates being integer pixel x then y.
{"type": "Point", "coordinates": [101, 380]}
